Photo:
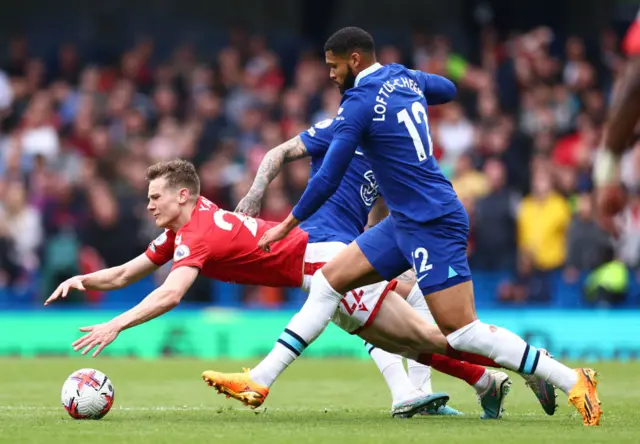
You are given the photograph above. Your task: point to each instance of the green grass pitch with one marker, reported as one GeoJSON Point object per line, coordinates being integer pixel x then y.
{"type": "Point", "coordinates": [315, 401]}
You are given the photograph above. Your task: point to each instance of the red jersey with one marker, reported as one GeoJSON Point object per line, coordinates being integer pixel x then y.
{"type": "Point", "coordinates": [631, 43]}
{"type": "Point", "coordinates": [224, 246]}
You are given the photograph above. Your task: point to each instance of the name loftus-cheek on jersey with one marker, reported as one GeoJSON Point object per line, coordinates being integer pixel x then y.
{"type": "Point", "coordinates": [387, 88]}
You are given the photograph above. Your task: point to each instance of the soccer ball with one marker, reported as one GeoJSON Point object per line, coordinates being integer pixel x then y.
{"type": "Point", "coordinates": [87, 394]}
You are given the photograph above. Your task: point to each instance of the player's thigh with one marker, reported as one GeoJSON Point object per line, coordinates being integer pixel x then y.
{"type": "Point", "coordinates": [350, 269]}
{"type": "Point", "coordinates": [378, 244]}
{"type": "Point", "coordinates": [438, 251]}
{"type": "Point", "coordinates": [398, 328]}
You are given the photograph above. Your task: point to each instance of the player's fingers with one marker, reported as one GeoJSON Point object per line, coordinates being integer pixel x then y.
{"type": "Point", "coordinates": [101, 347]}
{"type": "Point", "coordinates": [90, 346]}
{"type": "Point", "coordinates": [263, 241]}
{"type": "Point", "coordinates": [56, 294]}
{"type": "Point", "coordinates": [80, 286]}
{"type": "Point", "coordinates": [51, 298]}
{"type": "Point", "coordinates": [79, 343]}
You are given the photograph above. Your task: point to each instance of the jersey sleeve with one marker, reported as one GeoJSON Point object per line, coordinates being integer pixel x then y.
{"type": "Point", "coordinates": [353, 117]}
{"type": "Point", "coordinates": [318, 138]}
{"type": "Point", "coordinates": [437, 89]}
{"type": "Point", "coordinates": [192, 250]}
{"type": "Point", "coordinates": [160, 251]}
{"type": "Point", "coordinates": [631, 43]}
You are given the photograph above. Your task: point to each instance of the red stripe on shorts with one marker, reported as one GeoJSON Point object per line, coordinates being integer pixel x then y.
{"type": "Point", "coordinates": [390, 287]}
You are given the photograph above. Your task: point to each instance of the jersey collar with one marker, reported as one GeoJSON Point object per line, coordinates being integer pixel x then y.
{"type": "Point", "coordinates": [373, 68]}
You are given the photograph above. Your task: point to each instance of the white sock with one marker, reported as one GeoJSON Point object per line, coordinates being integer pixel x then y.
{"type": "Point", "coordinates": [302, 330]}
{"type": "Point", "coordinates": [419, 374]}
{"type": "Point", "coordinates": [392, 370]}
{"type": "Point", "coordinates": [483, 383]}
{"type": "Point", "coordinates": [510, 351]}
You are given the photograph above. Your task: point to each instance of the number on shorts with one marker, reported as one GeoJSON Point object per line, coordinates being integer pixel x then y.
{"type": "Point", "coordinates": [421, 254]}
{"type": "Point", "coordinates": [249, 222]}
{"type": "Point", "coordinates": [403, 117]}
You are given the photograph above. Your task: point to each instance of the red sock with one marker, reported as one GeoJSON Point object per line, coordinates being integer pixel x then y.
{"type": "Point", "coordinates": [470, 373]}
{"type": "Point", "coordinates": [471, 357]}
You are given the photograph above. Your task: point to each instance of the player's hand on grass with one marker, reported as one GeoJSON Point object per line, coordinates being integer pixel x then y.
{"type": "Point", "coordinates": [272, 235]}
{"type": "Point", "coordinates": [99, 335]}
{"type": "Point", "coordinates": [249, 205]}
{"type": "Point", "coordinates": [63, 289]}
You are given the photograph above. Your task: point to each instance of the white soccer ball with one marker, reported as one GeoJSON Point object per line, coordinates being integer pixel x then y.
{"type": "Point", "coordinates": [87, 394]}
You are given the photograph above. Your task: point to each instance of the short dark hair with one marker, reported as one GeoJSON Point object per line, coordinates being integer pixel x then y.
{"type": "Point", "coordinates": [350, 39]}
{"type": "Point", "coordinates": [177, 173]}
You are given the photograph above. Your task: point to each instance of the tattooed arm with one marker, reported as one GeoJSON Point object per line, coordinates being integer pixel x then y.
{"type": "Point", "coordinates": [270, 167]}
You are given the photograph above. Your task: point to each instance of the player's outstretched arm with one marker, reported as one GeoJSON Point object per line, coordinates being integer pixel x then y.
{"type": "Point", "coordinates": [158, 302]}
{"type": "Point", "coordinates": [108, 279]}
{"type": "Point", "coordinates": [270, 167]}
{"type": "Point", "coordinates": [623, 117]}
{"type": "Point", "coordinates": [320, 188]}
{"type": "Point", "coordinates": [625, 109]}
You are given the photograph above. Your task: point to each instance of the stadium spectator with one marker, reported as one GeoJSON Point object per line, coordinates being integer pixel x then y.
{"type": "Point", "coordinates": [77, 135]}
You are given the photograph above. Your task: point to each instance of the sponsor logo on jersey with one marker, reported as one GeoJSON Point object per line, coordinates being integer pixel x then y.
{"type": "Point", "coordinates": [160, 239]}
{"type": "Point", "coordinates": [179, 239]}
{"type": "Point", "coordinates": [326, 123]}
{"type": "Point", "coordinates": [369, 190]}
{"type": "Point", "coordinates": [181, 252]}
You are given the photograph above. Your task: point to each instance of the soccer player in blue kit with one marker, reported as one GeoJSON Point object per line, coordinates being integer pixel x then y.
{"type": "Point", "coordinates": [384, 111]}
{"type": "Point", "coordinates": [364, 311]}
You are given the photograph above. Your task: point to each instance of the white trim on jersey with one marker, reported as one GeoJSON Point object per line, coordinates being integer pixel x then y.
{"type": "Point", "coordinates": [370, 70]}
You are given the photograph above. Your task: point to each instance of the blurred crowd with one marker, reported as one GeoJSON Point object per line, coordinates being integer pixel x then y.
{"type": "Point", "coordinates": [518, 143]}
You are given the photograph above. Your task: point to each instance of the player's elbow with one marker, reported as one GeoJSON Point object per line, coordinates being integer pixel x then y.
{"type": "Point", "coordinates": [122, 277]}
{"type": "Point", "coordinates": [449, 90]}
{"type": "Point", "coordinates": [171, 297]}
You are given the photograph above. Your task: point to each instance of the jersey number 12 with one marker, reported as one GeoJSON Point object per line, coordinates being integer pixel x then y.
{"type": "Point", "coordinates": [403, 117]}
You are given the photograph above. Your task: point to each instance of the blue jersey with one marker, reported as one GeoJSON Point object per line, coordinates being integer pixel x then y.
{"type": "Point", "coordinates": [385, 114]}
{"type": "Point", "coordinates": [344, 215]}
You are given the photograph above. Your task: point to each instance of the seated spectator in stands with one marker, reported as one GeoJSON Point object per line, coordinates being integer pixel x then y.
{"type": "Point", "coordinates": [23, 224]}
{"type": "Point", "coordinates": [588, 246]}
{"type": "Point", "coordinates": [9, 267]}
{"type": "Point", "coordinates": [495, 226]}
{"type": "Point", "coordinates": [468, 182]}
{"type": "Point", "coordinates": [543, 219]}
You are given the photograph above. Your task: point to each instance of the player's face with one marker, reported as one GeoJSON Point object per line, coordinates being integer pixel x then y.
{"type": "Point", "coordinates": [164, 202]}
{"type": "Point", "coordinates": [341, 69]}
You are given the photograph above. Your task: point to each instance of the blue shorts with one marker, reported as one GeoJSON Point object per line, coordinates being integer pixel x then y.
{"type": "Point", "coordinates": [436, 250]}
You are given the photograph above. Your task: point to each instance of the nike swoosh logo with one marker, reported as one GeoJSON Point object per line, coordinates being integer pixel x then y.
{"type": "Point", "coordinates": [421, 278]}
{"type": "Point", "coordinates": [359, 153]}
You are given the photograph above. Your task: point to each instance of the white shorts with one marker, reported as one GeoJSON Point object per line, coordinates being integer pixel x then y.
{"type": "Point", "coordinates": [359, 307]}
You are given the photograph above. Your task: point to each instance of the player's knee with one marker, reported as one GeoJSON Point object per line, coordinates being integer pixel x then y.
{"type": "Point", "coordinates": [448, 326]}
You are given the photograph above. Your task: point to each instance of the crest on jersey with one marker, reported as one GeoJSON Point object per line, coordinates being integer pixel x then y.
{"type": "Point", "coordinates": [369, 190]}
{"type": "Point", "coordinates": [181, 252]}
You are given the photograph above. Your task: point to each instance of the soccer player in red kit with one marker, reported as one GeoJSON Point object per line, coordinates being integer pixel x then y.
{"type": "Point", "coordinates": [202, 238]}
